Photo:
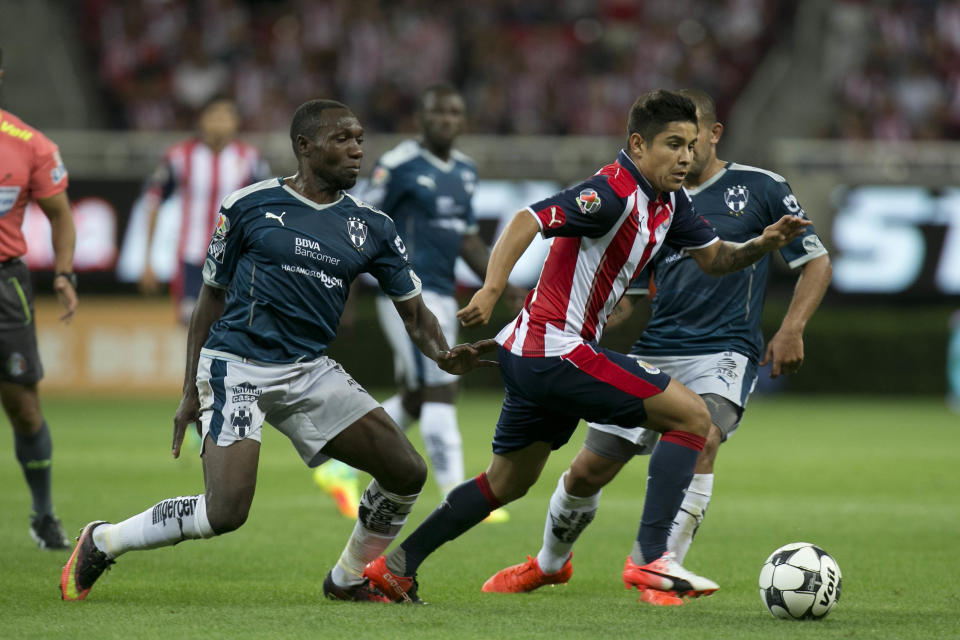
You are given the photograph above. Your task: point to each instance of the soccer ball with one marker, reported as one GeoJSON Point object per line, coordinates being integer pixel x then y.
{"type": "Point", "coordinates": [800, 581]}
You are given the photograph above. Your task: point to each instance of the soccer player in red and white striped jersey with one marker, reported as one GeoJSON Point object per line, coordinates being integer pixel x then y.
{"type": "Point", "coordinates": [604, 231]}
{"type": "Point", "coordinates": [201, 171]}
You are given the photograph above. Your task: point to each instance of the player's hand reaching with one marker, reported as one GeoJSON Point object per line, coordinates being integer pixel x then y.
{"type": "Point", "coordinates": [478, 310]}
{"type": "Point", "coordinates": [783, 231]}
{"type": "Point", "coordinates": [187, 413]}
{"type": "Point", "coordinates": [464, 357]}
{"type": "Point", "coordinates": [785, 351]}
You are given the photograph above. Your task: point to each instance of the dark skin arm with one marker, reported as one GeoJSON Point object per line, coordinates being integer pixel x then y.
{"type": "Point", "coordinates": [726, 257]}
{"type": "Point", "coordinates": [210, 305]}
{"type": "Point", "coordinates": [424, 330]}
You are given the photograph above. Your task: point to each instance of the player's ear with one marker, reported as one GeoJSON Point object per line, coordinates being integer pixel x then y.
{"type": "Point", "coordinates": [637, 145]}
{"type": "Point", "coordinates": [716, 132]}
{"type": "Point", "coordinates": [303, 146]}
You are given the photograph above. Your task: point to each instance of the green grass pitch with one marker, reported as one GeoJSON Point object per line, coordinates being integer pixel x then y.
{"type": "Point", "coordinates": [873, 481]}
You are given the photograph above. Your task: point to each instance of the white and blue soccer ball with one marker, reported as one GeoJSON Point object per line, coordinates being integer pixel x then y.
{"type": "Point", "coordinates": [800, 581]}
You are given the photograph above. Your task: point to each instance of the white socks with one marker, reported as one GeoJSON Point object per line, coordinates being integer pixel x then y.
{"type": "Point", "coordinates": [382, 514]}
{"type": "Point", "coordinates": [567, 517]}
{"type": "Point", "coordinates": [394, 408]}
{"type": "Point", "coordinates": [692, 510]}
{"type": "Point", "coordinates": [166, 523]}
{"type": "Point", "coordinates": [441, 437]}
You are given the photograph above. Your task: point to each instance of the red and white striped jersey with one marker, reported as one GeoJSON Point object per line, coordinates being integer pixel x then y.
{"type": "Point", "coordinates": [605, 230]}
{"type": "Point", "coordinates": [202, 178]}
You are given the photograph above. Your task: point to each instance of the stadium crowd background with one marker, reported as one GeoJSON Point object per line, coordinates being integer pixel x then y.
{"type": "Point", "coordinates": [525, 67]}
{"type": "Point", "coordinates": [856, 102]}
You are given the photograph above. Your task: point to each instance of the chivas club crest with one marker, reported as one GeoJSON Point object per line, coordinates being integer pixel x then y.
{"type": "Point", "coordinates": [357, 230]}
{"type": "Point", "coordinates": [588, 201]}
{"type": "Point", "coordinates": [736, 198]}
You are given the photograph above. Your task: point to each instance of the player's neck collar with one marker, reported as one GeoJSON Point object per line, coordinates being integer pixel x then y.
{"type": "Point", "coordinates": [307, 201]}
{"type": "Point", "coordinates": [444, 165]}
{"type": "Point", "coordinates": [709, 181]}
{"type": "Point", "coordinates": [625, 161]}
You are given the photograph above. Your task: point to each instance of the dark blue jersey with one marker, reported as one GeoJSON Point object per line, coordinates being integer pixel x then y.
{"type": "Point", "coordinates": [429, 200]}
{"type": "Point", "coordinates": [287, 264]}
{"type": "Point", "coordinates": [695, 313]}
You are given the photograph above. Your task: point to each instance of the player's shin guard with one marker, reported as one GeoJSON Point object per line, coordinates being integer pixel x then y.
{"type": "Point", "coordinates": [34, 453]}
{"type": "Point", "coordinates": [668, 475]}
{"type": "Point", "coordinates": [691, 514]}
{"type": "Point", "coordinates": [166, 523]}
{"type": "Point", "coordinates": [381, 515]}
{"type": "Point", "coordinates": [567, 517]}
{"type": "Point", "coordinates": [441, 436]}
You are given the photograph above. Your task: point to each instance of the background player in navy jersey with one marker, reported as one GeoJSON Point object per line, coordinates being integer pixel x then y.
{"type": "Point", "coordinates": [426, 186]}
{"type": "Point", "coordinates": [276, 277]}
{"type": "Point", "coordinates": [705, 332]}
{"type": "Point", "coordinates": [200, 171]}
{"type": "Point", "coordinates": [605, 230]}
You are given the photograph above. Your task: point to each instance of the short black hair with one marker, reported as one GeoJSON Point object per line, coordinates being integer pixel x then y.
{"type": "Point", "coordinates": [653, 111]}
{"type": "Point", "coordinates": [439, 89]}
{"type": "Point", "coordinates": [307, 118]}
{"type": "Point", "coordinates": [704, 103]}
{"type": "Point", "coordinates": [215, 99]}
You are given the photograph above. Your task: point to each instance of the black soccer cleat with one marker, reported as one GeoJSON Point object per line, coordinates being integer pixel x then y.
{"type": "Point", "coordinates": [85, 565]}
{"type": "Point", "coordinates": [48, 533]}
{"type": "Point", "coordinates": [363, 592]}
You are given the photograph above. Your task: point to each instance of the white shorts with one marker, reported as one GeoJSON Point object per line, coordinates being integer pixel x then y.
{"type": "Point", "coordinates": [411, 368]}
{"type": "Point", "coordinates": [309, 402]}
{"type": "Point", "coordinates": [727, 374]}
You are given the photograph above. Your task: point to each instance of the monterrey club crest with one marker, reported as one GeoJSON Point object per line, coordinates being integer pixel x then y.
{"type": "Point", "coordinates": [588, 201]}
{"type": "Point", "coordinates": [736, 198]}
{"type": "Point", "coordinates": [357, 230]}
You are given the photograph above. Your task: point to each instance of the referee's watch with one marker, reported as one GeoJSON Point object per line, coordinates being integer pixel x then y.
{"type": "Point", "coordinates": [70, 276]}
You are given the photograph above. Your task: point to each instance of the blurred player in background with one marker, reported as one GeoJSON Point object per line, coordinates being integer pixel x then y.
{"type": "Point", "coordinates": [31, 169]}
{"type": "Point", "coordinates": [605, 230]}
{"type": "Point", "coordinates": [201, 172]}
{"type": "Point", "coordinates": [276, 277]}
{"type": "Point", "coordinates": [426, 186]}
{"type": "Point", "coordinates": [705, 332]}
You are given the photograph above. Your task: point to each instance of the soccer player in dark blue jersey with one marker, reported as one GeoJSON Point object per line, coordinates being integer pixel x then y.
{"type": "Point", "coordinates": [705, 332]}
{"type": "Point", "coordinates": [426, 186]}
{"type": "Point", "coordinates": [276, 277]}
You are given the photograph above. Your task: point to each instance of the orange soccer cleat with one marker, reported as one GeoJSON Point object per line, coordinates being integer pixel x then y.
{"type": "Point", "coordinates": [397, 588]}
{"type": "Point", "coordinates": [526, 576]}
{"type": "Point", "coordinates": [664, 582]}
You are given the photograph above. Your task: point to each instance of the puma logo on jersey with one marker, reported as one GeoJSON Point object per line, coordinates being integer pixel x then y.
{"type": "Point", "coordinates": [278, 218]}
{"type": "Point", "coordinates": [556, 217]}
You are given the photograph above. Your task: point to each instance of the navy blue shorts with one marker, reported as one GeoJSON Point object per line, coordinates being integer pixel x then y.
{"type": "Point", "coordinates": [546, 397]}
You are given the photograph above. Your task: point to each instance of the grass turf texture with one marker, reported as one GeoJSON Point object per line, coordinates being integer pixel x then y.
{"type": "Point", "coordinates": [873, 481]}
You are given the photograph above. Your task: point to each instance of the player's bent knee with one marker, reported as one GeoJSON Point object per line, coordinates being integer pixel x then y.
{"type": "Point", "coordinates": [405, 476]}
{"type": "Point", "coordinates": [224, 521]}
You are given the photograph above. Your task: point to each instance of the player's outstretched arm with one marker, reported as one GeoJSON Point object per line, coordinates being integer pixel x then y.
{"type": "Point", "coordinates": [785, 348]}
{"type": "Point", "coordinates": [726, 257]}
{"type": "Point", "coordinates": [64, 239]}
{"type": "Point", "coordinates": [506, 251]}
{"type": "Point", "coordinates": [210, 305]}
